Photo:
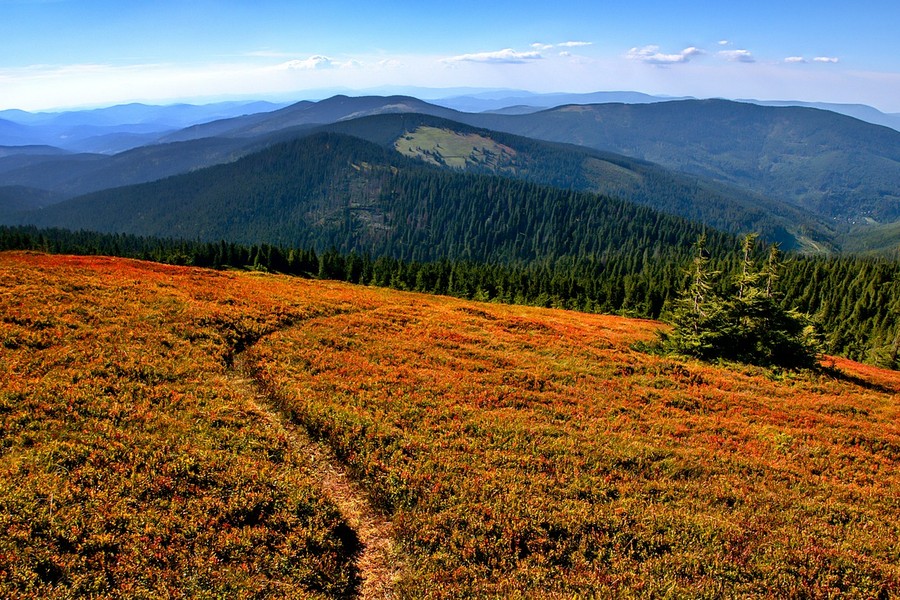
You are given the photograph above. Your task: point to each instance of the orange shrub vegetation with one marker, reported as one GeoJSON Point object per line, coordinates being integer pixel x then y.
{"type": "Point", "coordinates": [530, 452]}
{"type": "Point", "coordinates": [519, 451]}
{"type": "Point", "coordinates": [132, 464]}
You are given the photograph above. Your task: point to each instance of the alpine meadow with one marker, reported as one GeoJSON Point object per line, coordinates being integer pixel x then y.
{"type": "Point", "coordinates": [490, 300]}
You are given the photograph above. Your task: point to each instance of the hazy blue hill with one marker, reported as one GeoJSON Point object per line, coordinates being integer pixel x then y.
{"type": "Point", "coordinates": [167, 116]}
{"type": "Point", "coordinates": [13, 157]}
{"type": "Point", "coordinates": [835, 166]}
{"type": "Point", "coordinates": [34, 149]}
{"type": "Point", "coordinates": [14, 200]}
{"type": "Point", "coordinates": [77, 174]}
{"type": "Point", "coordinates": [116, 128]}
{"type": "Point", "coordinates": [862, 112]}
{"type": "Point", "coordinates": [499, 101]}
{"type": "Point", "coordinates": [16, 134]}
{"type": "Point", "coordinates": [232, 125]}
{"type": "Point", "coordinates": [48, 172]}
{"type": "Point", "coordinates": [326, 111]}
{"type": "Point", "coordinates": [523, 102]}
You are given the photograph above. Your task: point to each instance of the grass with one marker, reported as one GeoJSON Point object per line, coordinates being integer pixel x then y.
{"type": "Point", "coordinates": [132, 465]}
{"type": "Point", "coordinates": [528, 452]}
{"type": "Point", "coordinates": [442, 146]}
{"type": "Point", "coordinates": [519, 452]}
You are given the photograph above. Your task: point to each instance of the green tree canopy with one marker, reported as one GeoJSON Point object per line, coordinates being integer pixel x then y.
{"type": "Point", "coordinates": [747, 323]}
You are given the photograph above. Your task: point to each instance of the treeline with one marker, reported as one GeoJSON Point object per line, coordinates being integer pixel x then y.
{"type": "Point", "coordinates": [634, 283]}
{"type": "Point", "coordinates": [856, 301]}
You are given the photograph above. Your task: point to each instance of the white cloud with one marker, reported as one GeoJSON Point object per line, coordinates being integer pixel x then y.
{"type": "Point", "coordinates": [574, 44]}
{"type": "Point", "coordinates": [389, 63]}
{"type": "Point", "coordinates": [565, 54]}
{"type": "Point", "coordinates": [744, 56]}
{"type": "Point", "coordinates": [47, 87]}
{"type": "Point", "coordinates": [795, 59]}
{"type": "Point", "coordinates": [826, 59]}
{"type": "Point", "coordinates": [540, 46]}
{"type": "Point", "coordinates": [505, 56]}
{"type": "Point", "coordinates": [724, 42]}
{"type": "Point", "coordinates": [652, 55]}
{"type": "Point", "coordinates": [313, 63]}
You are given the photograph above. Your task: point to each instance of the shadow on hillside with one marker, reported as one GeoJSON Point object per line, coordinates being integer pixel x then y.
{"type": "Point", "coordinates": [835, 373]}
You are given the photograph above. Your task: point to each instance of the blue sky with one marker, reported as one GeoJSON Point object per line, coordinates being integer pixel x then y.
{"type": "Point", "coordinates": [62, 53]}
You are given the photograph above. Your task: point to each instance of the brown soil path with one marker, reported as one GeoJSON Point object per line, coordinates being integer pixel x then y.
{"type": "Point", "coordinates": [379, 564]}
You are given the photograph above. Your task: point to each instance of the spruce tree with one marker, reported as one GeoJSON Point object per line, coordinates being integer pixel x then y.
{"type": "Point", "coordinates": [697, 314]}
{"type": "Point", "coordinates": [748, 324]}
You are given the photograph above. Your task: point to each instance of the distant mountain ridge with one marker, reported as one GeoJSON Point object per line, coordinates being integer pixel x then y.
{"type": "Point", "coordinates": [530, 102]}
{"type": "Point", "coordinates": [305, 113]}
{"type": "Point", "coordinates": [330, 189]}
{"type": "Point", "coordinates": [116, 128]}
{"type": "Point", "coordinates": [521, 102]}
{"type": "Point", "coordinates": [839, 170]}
{"type": "Point", "coordinates": [835, 166]}
{"type": "Point", "coordinates": [862, 112]}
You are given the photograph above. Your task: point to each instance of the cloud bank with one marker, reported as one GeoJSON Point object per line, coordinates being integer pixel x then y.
{"type": "Point", "coordinates": [651, 55]}
{"type": "Point", "coordinates": [506, 56]}
{"type": "Point", "coordinates": [744, 56]}
{"type": "Point", "coordinates": [313, 63]}
{"type": "Point", "coordinates": [541, 46]}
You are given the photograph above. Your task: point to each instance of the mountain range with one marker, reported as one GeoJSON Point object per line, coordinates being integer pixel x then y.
{"type": "Point", "coordinates": [116, 128]}
{"type": "Point", "coordinates": [807, 177]}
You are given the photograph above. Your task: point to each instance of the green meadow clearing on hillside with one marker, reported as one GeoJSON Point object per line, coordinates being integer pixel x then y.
{"type": "Point", "coordinates": [445, 147]}
{"type": "Point", "coordinates": [518, 452]}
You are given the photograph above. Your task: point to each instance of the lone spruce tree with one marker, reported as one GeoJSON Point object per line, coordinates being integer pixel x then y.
{"type": "Point", "coordinates": [748, 324]}
{"type": "Point", "coordinates": [697, 317]}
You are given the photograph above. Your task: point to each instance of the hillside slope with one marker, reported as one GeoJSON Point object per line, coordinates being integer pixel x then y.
{"type": "Point", "coordinates": [517, 451]}
{"type": "Point", "coordinates": [833, 165]}
{"type": "Point", "coordinates": [453, 145]}
{"type": "Point", "coordinates": [333, 190]}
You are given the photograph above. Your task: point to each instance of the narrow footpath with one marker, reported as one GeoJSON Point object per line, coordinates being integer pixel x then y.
{"type": "Point", "coordinates": [378, 562]}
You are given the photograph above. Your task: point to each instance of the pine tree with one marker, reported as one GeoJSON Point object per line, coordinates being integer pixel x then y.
{"type": "Point", "coordinates": [748, 325]}
{"type": "Point", "coordinates": [697, 313]}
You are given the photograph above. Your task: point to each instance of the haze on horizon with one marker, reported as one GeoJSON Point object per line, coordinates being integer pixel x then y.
{"type": "Point", "coordinates": [83, 53]}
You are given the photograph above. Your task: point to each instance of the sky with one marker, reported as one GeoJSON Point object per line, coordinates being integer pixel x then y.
{"type": "Point", "coordinates": [58, 54]}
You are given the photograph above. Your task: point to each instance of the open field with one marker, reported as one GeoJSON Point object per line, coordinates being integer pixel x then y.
{"type": "Point", "coordinates": [517, 452]}
{"type": "Point", "coordinates": [442, 146]}
{"type": "Point", "coordinates": [133, 463]}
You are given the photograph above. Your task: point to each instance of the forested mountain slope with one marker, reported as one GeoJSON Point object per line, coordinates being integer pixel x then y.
{"type": "Point", "coordinates": [456, 146]}
{"type": "Point", "coordinates": [333, 190]}
{"type": "Point", "coordinates": [833, 165]}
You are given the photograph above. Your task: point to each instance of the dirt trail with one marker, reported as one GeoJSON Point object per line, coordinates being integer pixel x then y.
{"type": "Point", "coordinates": [378, 561]}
